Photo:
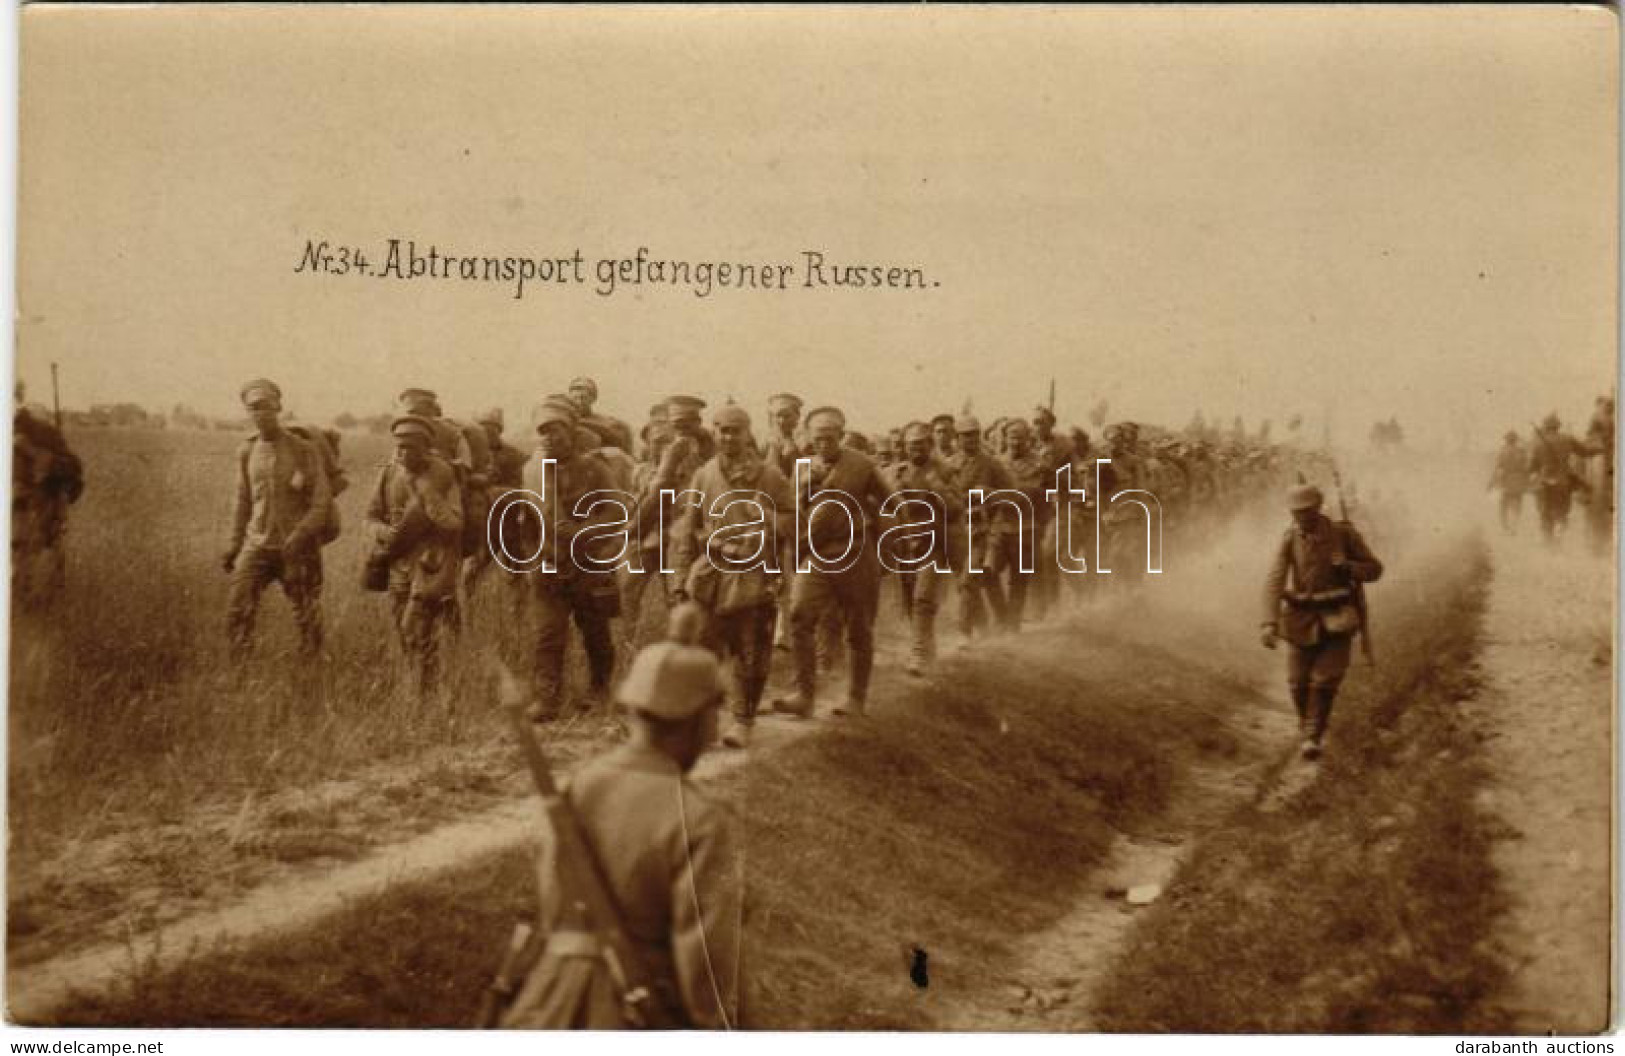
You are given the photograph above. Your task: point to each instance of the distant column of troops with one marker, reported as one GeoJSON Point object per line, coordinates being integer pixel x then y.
{"type": "Point", "coordinates": [426, 525]}
{"type": "Point", "coordinates": [1556, 467]}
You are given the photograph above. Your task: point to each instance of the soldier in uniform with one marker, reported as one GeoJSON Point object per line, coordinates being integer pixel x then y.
{"type": "Point", "coordinates": [614, 432]}
{"type": "Point", "coordinates": [1125, 536]}
{"type": "Point", "coordinates": [785, 443]}
{"type": "Point", "coordinates": [921, 477]}
{"type": "Point", "coordinates": [283, 499]}
{"type": "Point", "coordinates": [448, 440]}
{"type": "Point", "coordinates": [646, 487]}
{"type": "Point", "coordinates": [667, 854]}
{"type": "Point", "coordinates": [979, 588]}
{"type": "Point", "coordinates": [416, 521]}
{"type": "Point", "coordinates": [840, 567]}
{"type": "Point", "coordinates": [1312, 601]}
{"type": "Point", "coordinates": [943, 434]}
{"type": "Point", "coordinates": [1025, 468]}
{"type": "Point", "coordinates": [581, 585]}
{"type": "Point", "coordinates": [727, 571]}
{"type": "Point", "coordinates": [46, 478]}
{"type": "Point", "coordinates": [1511, 475]}
{"type": "Point", "coordinates": [783, 447]}
{"type": "Point", "coordinates": [1552, 465]}
{"type": "Point", "coordinates": [507, 461]}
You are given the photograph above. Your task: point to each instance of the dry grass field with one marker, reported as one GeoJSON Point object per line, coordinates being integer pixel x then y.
{"type": "Point", "coordinates": [125, 713]}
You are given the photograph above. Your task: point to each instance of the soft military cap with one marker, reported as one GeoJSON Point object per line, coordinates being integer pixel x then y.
{"type": "Point", "coordinates": [684, 407]}
{"type": "Point", "coordinates": [783, 400]}
{"type": "Point", "coordinates": [916, 431]}
{"type": "Point", "coordinates": [414, 397]}
{"type": "Point", "coordinates": [941, 418]}
{"type": "Point", "coordinates": [1551, 422]}
{"type": "Point", "coordinates": [674, 680]}
{"type": "Point", "coordinates": [1304, 497]}
{"type": "Point", "coordinates": [1017, 425]}
{"type": "Point", "coordinates": [731, 415]}
{"type": "Point", "coordinates": [492, 415]}
{"type": "Point", "coordinates": [258, 390]}
{"type": "Point", "coordinates": [412, 425]}
{"type": "Point", "coordinates": [584, 383]}
{"type": "Point", "coordinates": [829, 416]}
{"type": "Point", "coordinates": [553, 409]}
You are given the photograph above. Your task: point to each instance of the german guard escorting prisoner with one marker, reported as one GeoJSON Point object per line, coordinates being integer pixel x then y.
{"type": "Point", "coordinates": [416, 522]}
{"type": "Point", "coordinates": [727, 547]}
{"type": "Point", "coordinates": [282, 503]}
{"type": "Point", "coordinates": [1313, 601]}
{"type": "Point", "coordinates": [839, 569]}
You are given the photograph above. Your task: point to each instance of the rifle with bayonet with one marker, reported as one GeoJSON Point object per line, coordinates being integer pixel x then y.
{"type": "Point", "coordinates": [1356, 588]}
{"type": "Point", "coordinates": [588, 906]}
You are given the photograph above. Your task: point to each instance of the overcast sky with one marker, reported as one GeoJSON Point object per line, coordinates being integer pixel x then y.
{"type": "Point", "coordinates": [1262, 212]}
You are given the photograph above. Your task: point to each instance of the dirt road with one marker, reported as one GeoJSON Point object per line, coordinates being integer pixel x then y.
{"type": "Point", "coordinates": [1547, 701]}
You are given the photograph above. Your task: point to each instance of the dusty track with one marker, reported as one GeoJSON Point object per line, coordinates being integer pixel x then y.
{"type": "Point", "coordinates": [35, 991]}
{"type": "Point", "coordinates": [1547, 700]}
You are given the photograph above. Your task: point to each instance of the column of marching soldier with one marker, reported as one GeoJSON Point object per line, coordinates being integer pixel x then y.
{"type": "Point", "coordinates": [431, 505]}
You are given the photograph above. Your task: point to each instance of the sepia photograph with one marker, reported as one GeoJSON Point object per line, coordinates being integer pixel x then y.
{"type": "Point", "coordinates": [984, 519]}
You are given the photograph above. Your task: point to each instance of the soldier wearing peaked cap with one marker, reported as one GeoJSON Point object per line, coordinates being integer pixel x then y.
{"type": "Point", "coordinates": [415, 518]}
{"type": "Point", "coordinates": [1312, 602]}
{"type": "Point", "coordinates": [945, 437]}
{"type": "Point", "coordinates": [447, 439]}
{"type": "Point", "coordinates": [972, 551]}
{"type": "Point", "coordinates": [283, 500]}
{"type": "Point", "coordinates": [838, 565]}
{"type": "Point", "coordinates": [583, 392]}
{"type": "Point", "coordinates": [923, 493]}
{"type": "Point", "coordinates": [685, 446]}
{"type": "Point", "coordinates": [785, 443]}
{"type": "Point", "coordinates": [576, 580]}
{"type": "Point", "coordinates": [727, 543]}
{"type": "Point", "coordinates": [507, 461]}
{"type": "Point", "coordinates": [1027, 472]}
{"type": "Point", "coordinates": [667, 853]}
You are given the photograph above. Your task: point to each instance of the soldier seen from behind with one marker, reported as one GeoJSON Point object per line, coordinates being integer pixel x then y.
{"type": "Point", "coordinates": [666, 855]}
{"type": "Point", "coordinates": [1554, 469]}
